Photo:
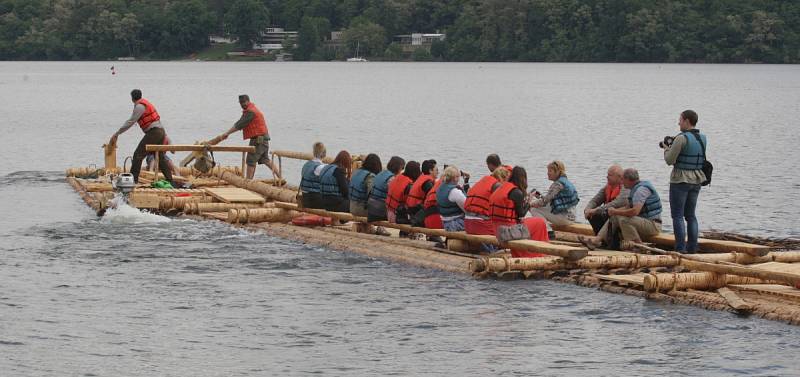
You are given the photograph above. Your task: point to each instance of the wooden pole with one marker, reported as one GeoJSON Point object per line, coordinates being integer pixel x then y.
{"type": "Point", "coordinates": [696, 264]}
{"type": "Point", "coordinates": [156, 169]}
{"type": "Point", "coordinates": [244, 164]}
{"type": "Point", "coordinates": [567, 252]}
{"type": "Point", "coordinates": [268, 191]}
{"type": "Point", "coordinates": [197, 148]}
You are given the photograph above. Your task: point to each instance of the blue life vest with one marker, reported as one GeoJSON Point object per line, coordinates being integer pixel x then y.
{"type": "Point", "coordinates": [330, 187]}
{"type": "Point", "coordinates": [652, 205]}
{"type": "Point", "coordinates": [691, 157]}
{"type": "Point", "coordinates": [309, 182]}
{"type": "Point", "coordinates": [380, 186]}
{"type": "Point", "coordinates": [358, 186]}
{"type": "Point", "coordinates": [566, 198]}
{"type": "Point", "coordinates": [447, 208]}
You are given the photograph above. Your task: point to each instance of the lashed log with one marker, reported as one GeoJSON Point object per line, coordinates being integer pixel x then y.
{"type": "Point", "coordinates": [260, 215]}
{"type": "Point", "coordinates": [200, 207]}
{"type": "Point", "coordinates": [734, 300]}
{"type": "Point", "coordinates": [492, 264]}
{"type": "Point", "coordinates": [663, 282]}
{"type": "Point", "coordinates": [268, 191]}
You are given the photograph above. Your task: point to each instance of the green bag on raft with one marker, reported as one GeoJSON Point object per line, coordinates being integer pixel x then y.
{"type": "Point", "coordinates": [161, 184]}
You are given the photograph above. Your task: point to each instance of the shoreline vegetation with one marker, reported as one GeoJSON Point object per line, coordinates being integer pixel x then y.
{"type": "Point", "coordinates": [601, 31]}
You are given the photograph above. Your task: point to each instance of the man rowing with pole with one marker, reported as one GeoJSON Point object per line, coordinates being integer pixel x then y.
{"type": "Point", "coordinates": [254, 127]}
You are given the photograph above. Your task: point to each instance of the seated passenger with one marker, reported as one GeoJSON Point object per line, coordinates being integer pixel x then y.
{"type": "Point", "coordinates": [399, 187]}
{"type": "Point", "coordinates": [557, 206]}
{"type": "Point", "coordinates": [477, 217]}
{"type": "Point", "coordinates": [493, 162]}
{"type": "Point", "coordinates": [641, 218]}
{"type": "Point", "coordinates": [450, 198]}
{"type": "Point", "coordinates": [376, 204]}
{"type": "Point", "coordinates": [335, 183]}
{"type": "Point", "coordinates": [509, 206]}
{"type": "Point", "coordinates": [612, 195]}
{"type": "Point", "coordinates": [419, 190]}
{"type": "Point", "coordinates": [431, 209]}
{"type": "Point", "coordinates": [310, 187]}
{"type": "Point", "coordinates": [361, 184]}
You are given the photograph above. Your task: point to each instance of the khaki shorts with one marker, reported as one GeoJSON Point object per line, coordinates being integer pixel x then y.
{"type": "Point", "coordinates": [261, 156]}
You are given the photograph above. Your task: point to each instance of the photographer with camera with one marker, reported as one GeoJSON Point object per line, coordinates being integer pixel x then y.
{"type": "Point", "coordinates": [686, 153]}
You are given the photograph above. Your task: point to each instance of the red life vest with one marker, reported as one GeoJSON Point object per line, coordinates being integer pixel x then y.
{"type": "Point", "coordinates": [257, 126]}
{"type": "Point", "coordinates": [509, 168]}
{"type": "Point", "coordinates": [149, 116]}
{"type": "Point", "coordinates": [612, 192]}
{"type": "Point", "coordinates": [417, 195]}
{"type": "Point", "coordinates": [478, 196]}
{"type": "Point", "coordinates": [430, 197]}
{"type": "Point", "coordinates": [397, 192]}
{"type": "Point", "coordinates": [502, 209]}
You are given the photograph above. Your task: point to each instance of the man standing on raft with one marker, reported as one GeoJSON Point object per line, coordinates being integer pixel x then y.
{"type": "Point", "coordinates": [254, 127]}
{"type": "Point", "coordinates": [146, 115]}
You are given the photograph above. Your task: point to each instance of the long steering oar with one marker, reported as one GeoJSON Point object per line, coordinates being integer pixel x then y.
{"type": "Point", "coordinates": [188, 160]}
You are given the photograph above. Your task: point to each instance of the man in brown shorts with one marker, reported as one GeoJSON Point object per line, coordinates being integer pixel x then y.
{"type": "Point", "coordinates": [254, 127]}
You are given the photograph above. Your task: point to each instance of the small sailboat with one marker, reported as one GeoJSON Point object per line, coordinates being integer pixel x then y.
{"type": "Point", "coordinates": [357, 58]}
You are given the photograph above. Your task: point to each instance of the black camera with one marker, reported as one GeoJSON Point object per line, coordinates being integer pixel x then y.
{"type": "Point", "coordinates": [666, 142]}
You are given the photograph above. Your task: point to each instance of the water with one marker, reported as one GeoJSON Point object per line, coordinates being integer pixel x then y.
{"type": "Point", "coordinates": [135, 294]}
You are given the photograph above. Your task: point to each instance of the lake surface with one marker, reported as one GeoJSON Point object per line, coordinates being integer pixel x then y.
{"type": "Point", "coordinates": [135, 294]}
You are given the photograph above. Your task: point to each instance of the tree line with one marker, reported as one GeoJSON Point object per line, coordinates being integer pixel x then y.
{"type": "Point", "coordinates": [712, 31]}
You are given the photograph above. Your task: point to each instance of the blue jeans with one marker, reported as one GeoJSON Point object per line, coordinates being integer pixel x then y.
{"type": "Point", "coordinates": [454, 225]}
{"type": "Point", "coordinates": [682, 203]}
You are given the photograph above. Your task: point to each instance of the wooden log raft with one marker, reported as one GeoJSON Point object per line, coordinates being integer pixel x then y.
{"type": "Point", "coordinates": [568, 252]}
{"type": "Point", "coordinates": [268, 191]}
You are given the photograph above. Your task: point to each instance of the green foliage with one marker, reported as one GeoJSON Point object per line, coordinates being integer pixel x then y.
{"type": "Point", "coordinates": [313, 31]}
{"type": "Point", "coordinates": [366, 36]}
{"type": "Point", "coordinates": [245, 19]}
{"type": "Point", "coordinates": [421, 55]}
{"type": "Point", "coordinates": [394, 52]}
{"type": "Point", "coordinates": [717, 31]}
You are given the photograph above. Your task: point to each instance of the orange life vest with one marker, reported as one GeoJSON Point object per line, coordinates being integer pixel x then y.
{"type": "Point", "coordinates": [478, 196]}
{"type": "Point", "coordinates": [397, 192]}
{"type": "Point", "coordinates": [417, 195]}
{"type": "Point", "coordinates": [509, 168]}
{"type": "Point", "coordinates": [257, 126]}
{"type": "Point", "coordinates": [612, 192]}
{"type": "Point", "coordinates": [430, 197]}
{"type": "Point", "coordinates": [502, 207]}
{"type": "Point", "coordinates": [149, 116]}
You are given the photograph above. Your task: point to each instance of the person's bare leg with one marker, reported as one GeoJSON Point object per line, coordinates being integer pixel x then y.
{"type": "Point", "coordinates": [251, 172]}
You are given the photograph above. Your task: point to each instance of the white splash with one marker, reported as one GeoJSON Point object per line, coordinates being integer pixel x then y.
{"type": "Point", "coordinates": [119, 212]}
